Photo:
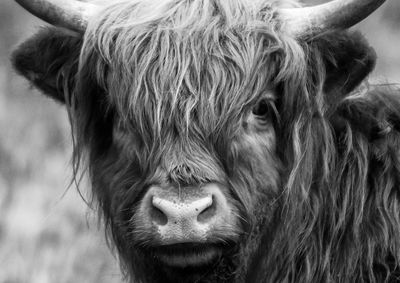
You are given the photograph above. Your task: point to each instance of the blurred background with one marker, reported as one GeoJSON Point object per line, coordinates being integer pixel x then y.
{"type": "Point", "coordinates": [47, 232]}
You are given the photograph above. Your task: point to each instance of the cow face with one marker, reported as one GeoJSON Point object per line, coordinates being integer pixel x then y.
{"type": "Point", "coordinates": [189, 125]}
{"type": "Point", "coordinates": [190, 170]}
{"type": "Point", "coordinates": [182, 176]}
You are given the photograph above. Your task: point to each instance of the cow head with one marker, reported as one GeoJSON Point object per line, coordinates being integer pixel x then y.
{"type": "Point", "coordinates": [195, 118]}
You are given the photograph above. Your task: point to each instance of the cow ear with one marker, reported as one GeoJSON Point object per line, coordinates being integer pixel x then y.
{"type": "Point", "coordinates": [348, 60]}
{"type": "Point", "coordinates": [49, 60]}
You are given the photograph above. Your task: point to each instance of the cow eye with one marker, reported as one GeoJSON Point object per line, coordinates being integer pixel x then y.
{"type": "Point", "coordinates": [262, 109]}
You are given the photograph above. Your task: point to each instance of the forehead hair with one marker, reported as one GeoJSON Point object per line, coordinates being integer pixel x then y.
{"type": "Point", "coordinates": [172, 63]}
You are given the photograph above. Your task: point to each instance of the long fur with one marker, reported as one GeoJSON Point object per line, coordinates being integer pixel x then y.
{"type": "Point", "coordinates": [166, 83]}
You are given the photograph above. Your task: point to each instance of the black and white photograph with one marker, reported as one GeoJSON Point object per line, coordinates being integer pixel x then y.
{"type": "Point", "coordinates": [199, 141]}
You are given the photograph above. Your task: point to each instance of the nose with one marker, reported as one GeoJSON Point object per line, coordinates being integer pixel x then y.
{"type": "Point", "coordinates": [186, 215]}
{"type": "Point", "coordinates": [174, 212]}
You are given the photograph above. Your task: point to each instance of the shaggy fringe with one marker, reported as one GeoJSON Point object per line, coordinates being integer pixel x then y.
{"type": "Point", "coordinates": [339, 217]}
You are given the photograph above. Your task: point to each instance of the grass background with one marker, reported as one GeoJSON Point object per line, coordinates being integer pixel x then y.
{"type": "Point", "coordinates": [47, 233]}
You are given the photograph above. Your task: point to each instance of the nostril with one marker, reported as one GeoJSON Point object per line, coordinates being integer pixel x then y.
{"type": "Point", "coordinates": [164, 210]}
{"type": "Point", "coordinates": [158, 216]}
{"type": "Point", "coordinates": [207, 212]}
{"type": "Point", "coordinates": [185, 215]}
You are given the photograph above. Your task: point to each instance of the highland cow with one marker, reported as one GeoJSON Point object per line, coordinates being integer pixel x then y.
{"type": "Point", "coordinates": [228, 141]}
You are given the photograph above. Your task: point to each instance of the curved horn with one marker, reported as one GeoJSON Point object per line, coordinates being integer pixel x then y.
{"type": "Point", "coordinates": [337, 14]}
{"type": "Point", "coordinates": [69, 14]}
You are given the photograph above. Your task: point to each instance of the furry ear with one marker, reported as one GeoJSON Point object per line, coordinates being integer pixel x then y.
{"type": "Point", "coordinates": [348, 60]}
{"type": "Point", "coordinates": [49, 60]}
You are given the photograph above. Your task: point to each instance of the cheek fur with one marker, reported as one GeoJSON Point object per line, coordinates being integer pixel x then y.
{"type": "Point", "coordinates": [254, 173]}
{"type": "Point", "coordinates": [256, 151]}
